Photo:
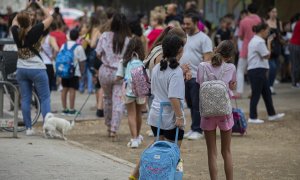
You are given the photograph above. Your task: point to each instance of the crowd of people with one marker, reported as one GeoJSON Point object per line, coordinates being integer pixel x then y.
{"type": "Point", "coordinates": [173, 47]}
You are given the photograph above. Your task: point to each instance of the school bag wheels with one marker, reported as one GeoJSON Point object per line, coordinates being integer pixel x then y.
{"type": "Point", "coordinates": [240, 122]}
{"type": "Point", "coordinates": [160, 160]}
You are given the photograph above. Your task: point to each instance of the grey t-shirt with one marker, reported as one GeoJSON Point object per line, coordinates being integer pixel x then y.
{"type": "Point", "coordinates": [164, 85]}
{"type": "Point", "coordinates": [196, 45]}
{"type": "Point", "coordinates": [257, 49]}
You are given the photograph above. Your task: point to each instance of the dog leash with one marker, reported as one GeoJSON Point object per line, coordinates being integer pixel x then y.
{"type": "Point", "coordinates": [82, 107]}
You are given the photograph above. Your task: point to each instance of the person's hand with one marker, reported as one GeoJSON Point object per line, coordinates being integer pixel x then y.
{"type": "Point", "coordinates": [39, 2]}
{"type": "Point", "coordinates": [188, 75]}
{"type": "Point", "coordinates": [179, 123]}
{"type": "Point", "coordinates": [185, 68]}
{"type": "Point", "coordinates": [270, 38]}
{"type": "Point", "coordinates": [232, 85]}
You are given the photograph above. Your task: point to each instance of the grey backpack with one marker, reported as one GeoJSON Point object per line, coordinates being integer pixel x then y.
{"type": "Point", "coordinates": [214, 97]}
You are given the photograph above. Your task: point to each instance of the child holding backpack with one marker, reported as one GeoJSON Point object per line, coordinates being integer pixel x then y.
{"type": "Point", "coordinates": [219, 71]}
{"type": "Point", "coordinates": [134, 104]}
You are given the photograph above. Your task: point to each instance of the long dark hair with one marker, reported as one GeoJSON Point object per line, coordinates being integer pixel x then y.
{"type": "Point", "coordinates": [120, 28]}
{"type": "Point", "coordinates": [135, 47]}
{"type": "Point", "coordinates": [24, 22]}
{"type": "Point", "coordinates": [224, 50]}
{"type": "Point", "coordinates": [171, 46]}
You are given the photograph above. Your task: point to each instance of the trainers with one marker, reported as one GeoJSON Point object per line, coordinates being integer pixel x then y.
{"type": "Point", "coordinates": [272, 90]}
{"type": "Point", "coordinates": [133, 143]}
{"type": "Point", "coordinates": [195, 136]}
{"type": "Point", "coordinates": [140, 139]}
{"type": "Point", "coordinates": [150, 133]}
{"type": "Point", "coordinates": [255, 121]}
{"type": "Point", "coordinates": [99, 113]}
{"type": "Point", "coordinates": [186, 135]}
{"type": "Point", "coordinates": [65, 112]}
{"type": "Point", "coordinates": [73, 112]}
{"type": "Point", "coordinates": [30, 132]}
{"type": "Point", "coordinates": [276, 117]}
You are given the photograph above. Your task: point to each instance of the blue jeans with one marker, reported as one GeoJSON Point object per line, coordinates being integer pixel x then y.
{"type": "Point", "coordinates": [273, 63]}
{"type": "Point", "coordinates": [192, 100]}
{"type": "Point", "coordinates": [27, 78]}
{"type": "Point", "coordinates": [87, 77]}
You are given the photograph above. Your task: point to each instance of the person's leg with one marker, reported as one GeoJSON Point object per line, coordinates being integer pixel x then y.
{"type": "Point", "coordinates": [106, 84]}
{"type": "Point", "coordinates": [226, 153]}
{"type": "Point", "coordinates": [256, 81]}
{"type": "Point", "coordinates": [267, 96]}
{"type": "Point", "coordinates": [40, 81]}
{"type": "Point", "coordinates": [297, 65]}
{"type": "Point", "coordinates": [117, 107]}
{"type": "Point", "coordinates": [26, 94]}
{"type": "Point", "coordinates": [132, 119]}
{"type": "Point", "coordinates": [83, 80]}
{"type": "Point", "coordinates": [194, 95]}
{"type": "Point", "coordinates": [90, 84]}
{"type": "Point", "coordinates": [188, 98]}
{"type": "Point", "coordinates": [241, 69]}
{"type": "Point", "coordinates": [72, 96]}
{"type": "Point", "coordinates": [272, 71]}
{"type": "Point", "coordinates": [64, 93]}
{"type": "Point", "coordinates": [49, 74]}
{"type": "Point", "coordinates": [210, 137]}
{"type": "Point", "coordinates": [139, 118]}
{"type": "Point", "coordinates": [293, 58]}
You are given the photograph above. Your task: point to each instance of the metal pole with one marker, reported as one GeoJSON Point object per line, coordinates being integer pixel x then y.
{"type": "Point", "coordinates": [16, 109]}
{"type": "Point", "coordinates": [1, 100]}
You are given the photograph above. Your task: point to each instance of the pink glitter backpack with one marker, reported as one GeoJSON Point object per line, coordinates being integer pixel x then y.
{"type": "Point", "coordinates": [140, 82]}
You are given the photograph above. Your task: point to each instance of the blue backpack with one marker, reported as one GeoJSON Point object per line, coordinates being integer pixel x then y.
{"type": "Point", "coordinates": [160, 160]}
{"type": "Point", "coordinates": [64, 64]}
{"type": "Point", "coordinates": [240, 122]}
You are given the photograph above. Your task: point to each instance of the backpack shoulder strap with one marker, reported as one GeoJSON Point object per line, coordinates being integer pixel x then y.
{"type": "Point", "coordinates": [74, 47]}
{"type": "Point", "coordinates": [205, 77]}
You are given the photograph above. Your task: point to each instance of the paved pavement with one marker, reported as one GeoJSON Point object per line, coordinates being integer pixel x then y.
{"type": "Point", "coordinates": [36, 158]}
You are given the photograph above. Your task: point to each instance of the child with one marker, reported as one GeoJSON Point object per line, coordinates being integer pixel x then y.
{"type": "Point", "coordinates": [132, 58]}
{"type": "Point", "coordinates": [70, 85]}
{"type": "Point", "coordinates": [217, 65]}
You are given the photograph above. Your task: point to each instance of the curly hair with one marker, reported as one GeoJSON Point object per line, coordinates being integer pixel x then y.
{"type": "Point", "coordinates": [135, 45]}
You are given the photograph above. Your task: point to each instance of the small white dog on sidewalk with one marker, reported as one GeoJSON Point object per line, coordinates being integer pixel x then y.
{"type": "Point", "coordinates": [53, 124]}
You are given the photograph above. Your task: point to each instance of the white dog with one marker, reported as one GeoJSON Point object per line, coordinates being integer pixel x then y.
{"type": "Point", "coordinates": [53, 124]}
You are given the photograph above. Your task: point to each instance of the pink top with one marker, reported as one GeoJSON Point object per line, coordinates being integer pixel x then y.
{"type": "Point", "coordinates": [105, 48]}
{"type": "Point", "coordinates": [228, 76]}
{"type": "Point", "coordinates": [246, 33]}
{"type": "Point", "coordinates": [152, 36]}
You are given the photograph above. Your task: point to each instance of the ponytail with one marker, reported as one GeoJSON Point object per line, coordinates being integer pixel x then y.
{"type": "Point", "coordinates": [163, 64]}
{"type": "Point", "coordinates": [24, 22]}
{"type": "Point", "coordinates": [216, 60]}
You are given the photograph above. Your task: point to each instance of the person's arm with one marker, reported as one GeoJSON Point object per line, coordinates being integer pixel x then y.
{"type": "Point", "coordinates": [175, 102]}
{"type": "Point", "coordinates": [94, 38]}
{"type": "Point", "coordinates": [207, 49]}
{"type": "Point", "coordinates": [54, 46]}
{"type": "Point", "coordinates": [269, 47]}
{"type": "Point", "coordinates": [241, 31]}
{"type": "Point", "coordinates": [15, 22]}
{"type": "Point", "coordinates": [48, 18]}
{"type": "Point", "coordinates": [207, 56]}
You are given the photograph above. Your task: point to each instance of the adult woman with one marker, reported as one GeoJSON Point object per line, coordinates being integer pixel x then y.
{"type": "Point", "coordinates": [167, 84]}
{"type": "Point", "coordinates": [275, 31]}
{"type": "Point", "coordinates": [30, 67]}
{"type": "Point", "coordinates": [110, 49]}
{"type": "Point", "coordinates": [295, 53]}
{"type": "Point", "coordinates": [258, 55]}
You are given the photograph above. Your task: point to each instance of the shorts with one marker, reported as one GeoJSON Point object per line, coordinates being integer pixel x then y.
{"type": "Point", "coordinates": [70, 82]}
{"type": "Point", "coordinates": [138, 100]}
{"type": "Point", "coordinates": [224, 123]}
{"type": "Point", "coordinates": [97, 85]}
{"type": "Point", "coordinates": [168, 134]}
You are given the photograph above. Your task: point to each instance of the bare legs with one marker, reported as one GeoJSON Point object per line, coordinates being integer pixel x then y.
{"type": "Point", "coordinates": [210, 137]}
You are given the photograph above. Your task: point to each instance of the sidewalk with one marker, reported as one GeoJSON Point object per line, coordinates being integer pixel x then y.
{"type": "Point", "coordinates": [36, 158]}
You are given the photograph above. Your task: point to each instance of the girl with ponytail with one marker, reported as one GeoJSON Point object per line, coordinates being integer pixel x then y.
{"type": "Point", "coordinates": [219, 67]}
{"type": "Point", "coordinates": [31, 70]}
{"type": "Point", "coordinates": [167, 85]}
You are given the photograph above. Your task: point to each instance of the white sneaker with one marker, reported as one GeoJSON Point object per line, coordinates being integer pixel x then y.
{"type": "Point", "coordinates": [195, 136]}
{"type": "Point", "coordinates": [133, 143]}
{"type": "Point", "coordinates": [60, 88]}
{"type": "Point", "coordinates": [150, 133]}
{"type": "Point", "coordinates": [255, 121]}
{"type": "Point", "coordinates": [30, 132]}
{"type": "Point", "coordinates": [186, 135]}
{"type": "Point", "coordinates": [276, 117]}
{"type": "Point", "coordinates": [140, 139]}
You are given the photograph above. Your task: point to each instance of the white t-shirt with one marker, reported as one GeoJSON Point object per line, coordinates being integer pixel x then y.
{"type": "Point", "coordinates": [257, 49]}
{"type": "Point", "coordinates": [196, 45]}
{"type": "Point", "coordinates": [79, 56]}
{"type": "Point", "coordinates": [164, 85]}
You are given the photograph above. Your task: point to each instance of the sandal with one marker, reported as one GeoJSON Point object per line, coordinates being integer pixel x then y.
{"type": "Point", "coordinates": [114, 136]}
